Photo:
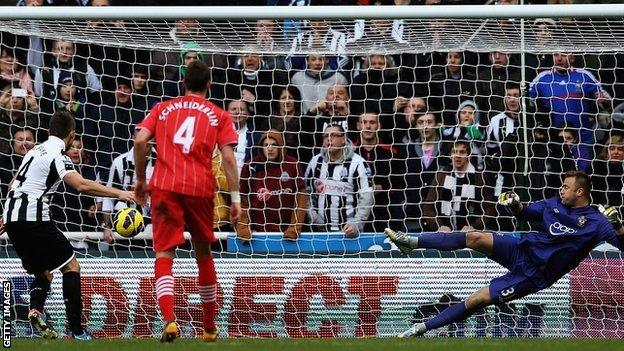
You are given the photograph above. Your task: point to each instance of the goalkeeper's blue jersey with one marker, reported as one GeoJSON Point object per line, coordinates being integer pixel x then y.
{"type": "Point", "coordinates": [566, 237]}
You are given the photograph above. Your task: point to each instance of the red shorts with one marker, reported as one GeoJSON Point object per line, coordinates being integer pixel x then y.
{"type": "Point", "coordinates": [170, 213]}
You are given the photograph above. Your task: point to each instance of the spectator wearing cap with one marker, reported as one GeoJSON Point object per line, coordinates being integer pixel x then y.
{"type": "Point", "coordinates": [69, 96]}
{"type": "Point", "coordinates": [274, 196]}
{"type": "Point", "coordinates": [184, 34]}
{"type": "Point", "coordinates": [339, 183]}
{"type": "Point", "coordinates": [173, 84]}
{"type": "Point", "coordinates": [468, 127]}
{"type": "Point", "coordinates": [110, 127]}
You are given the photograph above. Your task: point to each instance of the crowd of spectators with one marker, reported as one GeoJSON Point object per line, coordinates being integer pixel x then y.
{"type": "Point", "coordinates": [332, 142]}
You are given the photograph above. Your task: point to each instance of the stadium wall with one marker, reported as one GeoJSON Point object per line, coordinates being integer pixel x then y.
{"type": "Point", "coordinates": [341, 297]}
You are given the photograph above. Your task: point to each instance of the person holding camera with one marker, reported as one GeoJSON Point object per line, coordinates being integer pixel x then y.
{"type": "Point", "coordinates": [18, 108]}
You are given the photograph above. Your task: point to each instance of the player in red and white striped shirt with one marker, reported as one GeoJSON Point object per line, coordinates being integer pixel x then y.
{"type": "Point", "coordinates": [186, 131]}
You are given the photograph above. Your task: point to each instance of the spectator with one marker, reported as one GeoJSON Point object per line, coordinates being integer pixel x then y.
{"type": "Point", "coordinates": [18, 108]}
{"type": "Point", "coordinates": [314, 82]}
{"type": "Point", "coordinates": [274, 198]}
{"type": "Point", "coordinates": [248, 136]}
{"type": "Point", "coordinates": [423, 161]}
{"type": "Point", "coordinates": [338, 181]}
{"type": "Point", "coordinates": [566, 97]}
{"type": "Point", "coordinates": [11, 70]}
{"type": "Point", "coordinates": [468, 128]}
{"type": "Point", "coordinates": [607, 173]}
{"type": "Point", "coordinates": [172, 86]}
{"type": "Point", "coordinates": [287, 119]}
{"type": "Point", "coordinates": [34, 57]}
{"type": "Point", "coordinates": [23, 141]}
{"type": "Point", "coordinates": [544, 32]}
{"type": "Point", "coordinates": [184, 34]}
{"type": "Point", "coordinates": [251, 79]}
{"type": "Point", "coordinates": [319, 35]}
{"type": "Point", "coordinates": [574, 156]}
{"type": "Point", "coordinates": [222, 201]}
{"type": "Point", "coordinates": [458, 199]}
{"type": "Point", "coordinates": [379, 84]}
{"type": "Point", "coordinates": [71, 98]}
{"type": "Point", "coordinates": [73, 211]}
{"type": "Point", "coordinates": [385, 34]}
{"type": "Point", "coordinates": [451, 87]}
{"type": "Point", "coordinates": [266, 32]}
{"type": "Point", "coordinates": [386, 171]}
{"type": "Point", "coordinates": [64, 59]}
{"type": "Point", "coordinates": [407, 112]}
{"type": "Point", "coordinates": [491, 80]}
{"type": "Point", "coordinates": [333, 109]}
{"type": "Point", "coordinates": [502, 142]}
{"type": "Point", "coordinates": [143, 98]}
{"type": "Point", "coordinates": [121, 176]}
{"type": "Point", "coordinates": [110, 127]}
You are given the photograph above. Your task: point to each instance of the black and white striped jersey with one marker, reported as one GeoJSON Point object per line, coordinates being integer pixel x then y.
{"type": "Point", "coordinates": [123, 177]}
{"type": "Point", "coordinates": [340, 192]}
{"type": "Point", "coordinates": [39, 175]}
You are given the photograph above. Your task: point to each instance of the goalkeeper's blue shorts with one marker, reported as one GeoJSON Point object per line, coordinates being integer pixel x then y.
{"type": "Point", "coordinates": [520, 281]}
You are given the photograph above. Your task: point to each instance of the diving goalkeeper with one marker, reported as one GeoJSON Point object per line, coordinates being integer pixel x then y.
{"type": "Point", "coordinates": [571, 228]}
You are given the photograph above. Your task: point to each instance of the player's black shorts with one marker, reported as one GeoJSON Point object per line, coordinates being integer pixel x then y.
{"type": "Point", "coordinates": [40, 245]}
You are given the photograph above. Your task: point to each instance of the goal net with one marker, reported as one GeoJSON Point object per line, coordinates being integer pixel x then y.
{"type": "Point", "coordinates": [414, 118]}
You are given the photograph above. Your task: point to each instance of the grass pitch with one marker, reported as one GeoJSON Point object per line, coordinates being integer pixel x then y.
{"type": "Point", "coordinates": [414, 344]}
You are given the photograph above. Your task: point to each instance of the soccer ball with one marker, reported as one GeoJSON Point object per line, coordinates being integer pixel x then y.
{"type": "Point", "coordinates": [128, 222]}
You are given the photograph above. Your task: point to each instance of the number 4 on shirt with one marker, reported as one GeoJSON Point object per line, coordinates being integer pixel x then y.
{"type": "Point", "coordinates": [184, 134]}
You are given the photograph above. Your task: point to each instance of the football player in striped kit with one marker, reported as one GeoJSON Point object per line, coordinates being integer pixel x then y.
{"type": "Point", "coordinates": [26, 219]}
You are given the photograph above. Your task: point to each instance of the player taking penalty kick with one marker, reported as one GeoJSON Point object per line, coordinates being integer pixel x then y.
{"type": "Point", "coordinates": [186, 131]}
{"type": "Point", "coordinates": [571, 228]}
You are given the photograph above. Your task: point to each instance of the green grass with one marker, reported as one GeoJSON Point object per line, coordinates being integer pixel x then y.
{"type": "Point", "coordinates": [325, 344]}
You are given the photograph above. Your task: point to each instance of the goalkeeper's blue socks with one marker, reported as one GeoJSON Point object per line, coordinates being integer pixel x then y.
{"type": "Point", "coordinates": [452, 314]}
{"type": "Point", "coordinates": [442, 241]}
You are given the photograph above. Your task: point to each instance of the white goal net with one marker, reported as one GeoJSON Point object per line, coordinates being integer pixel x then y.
{"type": "Point", "coordinates": [437, 114]}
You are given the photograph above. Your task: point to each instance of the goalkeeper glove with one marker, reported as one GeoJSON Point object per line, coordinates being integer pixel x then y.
{"type": "Point", "coordinates": [509, 198]}
{"type": "Point", "coordinates": [612, 214]}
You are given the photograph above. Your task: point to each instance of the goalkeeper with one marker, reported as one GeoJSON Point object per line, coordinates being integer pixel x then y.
{"type": "Point", "coordinates": [571, 228]}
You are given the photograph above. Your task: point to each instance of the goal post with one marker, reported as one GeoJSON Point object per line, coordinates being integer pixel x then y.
{"type": "Point", "coordinates": [399, 63]}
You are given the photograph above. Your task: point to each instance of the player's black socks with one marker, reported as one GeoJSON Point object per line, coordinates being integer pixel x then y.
{"type": "Point", "coordinates": [73, 301]}
{"type": "Point", "coordinates": [39, 293]}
